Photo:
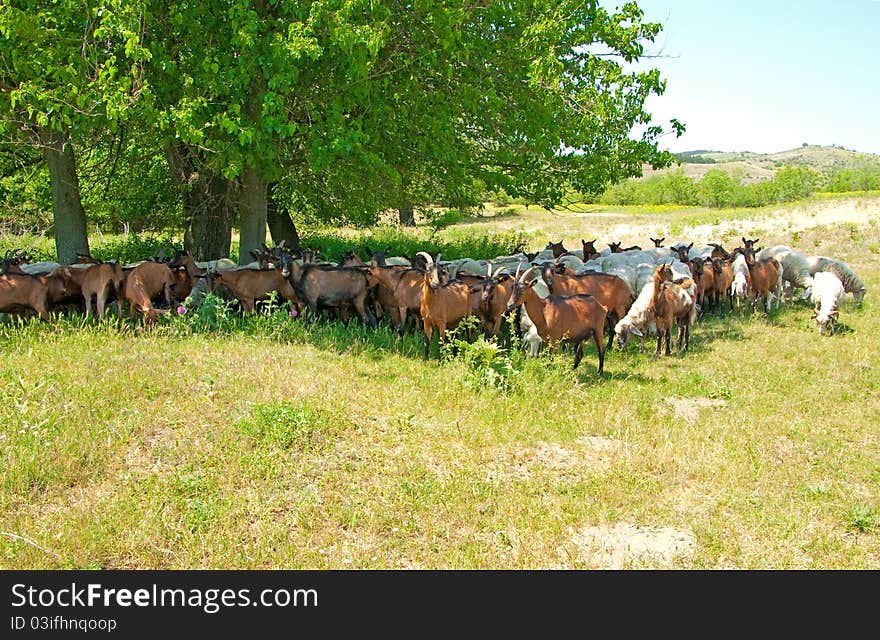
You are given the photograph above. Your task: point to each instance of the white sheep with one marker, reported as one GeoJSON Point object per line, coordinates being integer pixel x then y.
{"type": "Point", "coordinates": [826, 297]}
{"type": "Point", "coordinates": [851, 282]}
{"type": "Point", "coordinates": [639, 320]}
{"type": "Point", "coordinates": [570, 261]}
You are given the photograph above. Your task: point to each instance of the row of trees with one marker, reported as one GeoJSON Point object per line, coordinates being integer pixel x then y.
{"type": "Point", "coordinates": [717, 188]}
{"type": "Point", "coordinates": [206, 114]}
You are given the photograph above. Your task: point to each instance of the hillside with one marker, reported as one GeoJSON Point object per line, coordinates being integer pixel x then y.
{"type": "Point", "coordinates": [761, 166]}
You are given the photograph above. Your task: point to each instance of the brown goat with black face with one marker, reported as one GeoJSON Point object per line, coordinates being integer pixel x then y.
{"type": "Point", "coordinates": [703, 274]}
{"type": "Point", "coordinates": [765, 279]}
{"type": "Point", "coordinates": [723, 281]}
{"type": "Point", "coordinates": [186, 273]}
{"type": "Point", "coordinates": [248, 286]}
{"type": "Point", "coordinates": [496, 290]}
{"type": "Point", "coordinates": [573, 318]}
{"type": "Point", "coordinates": [589, 249]}
{"type": "Point", "coordinates": [615, 248]}
{"type": "Point", "coordinates": [609, 290]}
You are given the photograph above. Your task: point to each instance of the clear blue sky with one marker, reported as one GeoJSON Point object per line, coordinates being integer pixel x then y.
{"type": "Point", "coordinates": [765, 76]}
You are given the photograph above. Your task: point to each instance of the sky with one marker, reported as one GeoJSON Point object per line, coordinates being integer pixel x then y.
{"type": "Point", "coordinates": [767, 76]}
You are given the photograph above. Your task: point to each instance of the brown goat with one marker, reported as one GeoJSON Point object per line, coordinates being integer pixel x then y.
{"type": "Point", "coordinates": [615, 248]}
{"type": "Point", "coordinates": [21, 291]}
{"type": "Point", "coordinates": [443, 305]}
{"type": "Point", "coordinates": [672, 304]}
{"type": "Point", "coordinates": [187, 272]}
{"type": "Point", "coordinates": [766, 279]}
{"type": "Point", "coordinates": [330, 287]}
{"type": "Point", "coordinates": [703, 275]}
{"type": "Point", "coordinates": [144, 283]}
{"type": "Point", "coordinates": [495, 294]}
{"type": "Point", "coordinates": [100, 281]}
{"type": "Point", "coordinates": [574, 318]}
{"type": "Point", "coordinates": [251, 285]}
{"type": "Point", "coordinates": [589, 248]}
{"type": "Point", "coordinates": [723, 281]}
{"type": "Point", "coordinates": [557, 248]}
{"type": "Point", "coordinates": [610, 291]}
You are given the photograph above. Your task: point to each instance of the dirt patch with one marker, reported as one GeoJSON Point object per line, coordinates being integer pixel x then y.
{"type": "Point", "coordinates": [588, 454]}
{"type": "Point", "coordinates": [624, 545]}
{"type": "Point", "coordinates": [689, 409]}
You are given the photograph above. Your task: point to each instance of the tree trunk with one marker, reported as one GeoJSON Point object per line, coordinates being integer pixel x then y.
{"type": "Point", "coordinates": [71, 229]}
{"type": "Point", "coordinates": [281, 225]}
{"type": "Point", "coordinates": [406, 214]}
{"type": "Point", "coordinates": [208, 231]}
{"type": "Point", "coordinates": [252, 214]}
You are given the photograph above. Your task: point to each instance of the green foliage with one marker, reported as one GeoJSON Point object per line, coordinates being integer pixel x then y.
{"type": "Point", "coordinates": [486, 364]}
{"type": "Point", "coordinates": [287, 425]}
{"type": "Point", "coordinates": [866, 178]}
{"type": "Point", "coordinates": [863, 518]}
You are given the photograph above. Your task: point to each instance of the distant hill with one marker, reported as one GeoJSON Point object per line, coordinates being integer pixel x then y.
{"type": "Point", "coordinates": [752, 167]}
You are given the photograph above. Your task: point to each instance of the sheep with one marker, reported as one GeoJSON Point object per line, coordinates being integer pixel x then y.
{"type": "Point", "coordinates": [573, 318]}
{"type": "Point", "coordinates": [795, 268]}
{"type": "Point", "coordinates": [571, 261]}
{"type": "Point", "coordinates": [672, 303]}
{"type": "Point", "coordinates": [639, 320]}
{"type": "Point", "coordinates": [851, 282]}
{"type": "Point", "coordinates": [826, 296]}
{"type": "Point", "coordinates": [443, 305]}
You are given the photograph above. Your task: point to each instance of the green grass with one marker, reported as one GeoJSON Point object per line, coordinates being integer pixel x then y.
{"type": "Point", "coordinates": [266, 442]}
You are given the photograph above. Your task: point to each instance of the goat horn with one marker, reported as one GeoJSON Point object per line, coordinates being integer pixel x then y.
{"type": "Point", "coordinates": [428, 259]}
{"type": "Point", "coordinates": [522, 278]}
{"type": "Point", "coordinates": [489, 275]}
{"type": "Point", "coordinates": [518, 269]}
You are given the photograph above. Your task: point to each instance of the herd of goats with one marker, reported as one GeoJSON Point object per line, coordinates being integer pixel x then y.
{"type": "Point", "coordinates": [563, 295]}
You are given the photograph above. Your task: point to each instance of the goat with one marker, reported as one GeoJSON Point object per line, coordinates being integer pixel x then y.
{"type": "Point", "coordinates": [673, 304]}
{"type": "Point", "coordinates": [187, 272]}
{"type": "Point", "coordinates": [682, 252]}
{"type": "Point", "coordinates": [99, 280]}
{"type": "Point", "coordinates": [493, 300]}
{"type": "Point", "coordinates": [378, 258]}
{"type": "Point", "coordinates": [352, 259]}
{"type": "Point", "coordinates": [556, 248]}
{"type": "Point", "coordinates": [399, 291]}
{"type": "Point", "coordinates": [144, 283]}
{"type": "Point", "coordinates": [723, 280]}
{"type": "Point", "coordinates": [20, 290]}
{"type": "Point", "coordinates": [703, 275]}
{"type": "Point", "coordinates": [658, 242]}
{"type": "Point", "coordinates": [589, 249]}
{"type": "Point", "coordinates": [609, 290]}
{"type": "Point", "coordinates": [329, 287]}
{"type": "Point", "coordinates": [765, 279]}
{"type": "Point", "coordinates": [826, 296]}
{"type": "Point", "coordinates": [443, 305]}
{"type": "Point", "coordinates": [718, 251]}
{"type": "Point", "coordinates": [615, 248]}
{"type": "Point", "coordinates": [250, 285]}
{"type": "Point", "coordinates": [741, 287]}
{"type": "Point", "coordinates": [572, 318]}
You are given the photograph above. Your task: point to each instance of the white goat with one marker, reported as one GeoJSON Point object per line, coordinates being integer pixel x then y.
{"type": "Point", "coordinates": [826, 297]}
{"type": "Point", "coordinates": [741, 286]}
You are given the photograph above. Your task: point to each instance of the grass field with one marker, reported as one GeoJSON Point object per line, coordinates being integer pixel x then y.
{"type": "Point", "coordinates": [266, 443]}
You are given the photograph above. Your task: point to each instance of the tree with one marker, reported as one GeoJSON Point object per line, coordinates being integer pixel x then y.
{"type": "Point", "coordinates": [355, 106]}
{"type": "Point", "coordinates": [66, 72]}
